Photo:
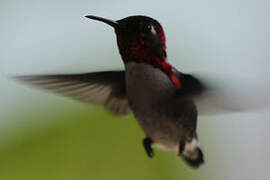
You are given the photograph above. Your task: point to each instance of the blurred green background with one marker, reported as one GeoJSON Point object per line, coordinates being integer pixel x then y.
{"type": "Point", "coordinates": [87, 144]}
{"type": "Point", "coordinates": [82, 142]}
{"type": "Point", "coordinates": [45, 136]}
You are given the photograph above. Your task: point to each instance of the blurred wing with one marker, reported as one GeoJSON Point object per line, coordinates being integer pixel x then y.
{"type": "Point", "coordinates": [242, 93]}
{"type": "Point", "coordinates": [207, 94]}
{"type": "Point", "coordinates": [218, 94]}
{"type": "Point", "coordinates": [105, 88]}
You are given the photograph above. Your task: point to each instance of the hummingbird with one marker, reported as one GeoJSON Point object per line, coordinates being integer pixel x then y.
{"type": "Point", "coordinates": [160, 97]}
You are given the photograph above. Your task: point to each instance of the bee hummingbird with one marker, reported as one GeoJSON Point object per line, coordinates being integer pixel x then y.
{"type": "Point", "coordinates": [160, 97]}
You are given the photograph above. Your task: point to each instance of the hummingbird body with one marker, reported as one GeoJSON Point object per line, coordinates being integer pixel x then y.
{"type": "Point", "coordinates": [160, 96]}
{"type": "Point", "coordinates": [167, 118]}
{"type": "Point", "coordinates": [149, 94]}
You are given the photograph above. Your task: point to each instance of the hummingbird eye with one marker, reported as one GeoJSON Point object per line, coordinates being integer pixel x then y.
{"type": "Point", "coordinates": [149, 28]}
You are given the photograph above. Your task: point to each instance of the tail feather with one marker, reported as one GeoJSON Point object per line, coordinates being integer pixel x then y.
{"type": "Point", "coordinates": [192, 153]}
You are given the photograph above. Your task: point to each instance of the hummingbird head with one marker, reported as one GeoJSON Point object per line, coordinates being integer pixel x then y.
{"type": "Point", "coordinates": [139, 38]}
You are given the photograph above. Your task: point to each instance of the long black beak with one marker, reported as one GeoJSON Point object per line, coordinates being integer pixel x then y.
{"type": "Point", "coordinates": [107, 21]}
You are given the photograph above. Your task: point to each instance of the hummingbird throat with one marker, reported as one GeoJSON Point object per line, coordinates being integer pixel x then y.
{"type": "Point", "coordinates": [140, 51]}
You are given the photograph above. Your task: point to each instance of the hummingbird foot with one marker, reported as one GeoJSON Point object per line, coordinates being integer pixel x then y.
{"type": "Point", "coordinates": [182, 144]}
{"type": "Point", "coordinates": [147, 142]}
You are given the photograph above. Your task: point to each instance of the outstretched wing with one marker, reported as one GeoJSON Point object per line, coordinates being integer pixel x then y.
{"type": "Point", "coordinates": [105, 88]}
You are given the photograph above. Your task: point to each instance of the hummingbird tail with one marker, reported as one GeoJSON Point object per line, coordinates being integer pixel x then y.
{"type": "Point", "coordinates": [192, 153]}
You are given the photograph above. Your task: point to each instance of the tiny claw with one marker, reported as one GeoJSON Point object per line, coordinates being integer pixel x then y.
{"type": "Point", "coordinates": [147, 142]}
{"type": "Point", "coordinates": [181, 147]}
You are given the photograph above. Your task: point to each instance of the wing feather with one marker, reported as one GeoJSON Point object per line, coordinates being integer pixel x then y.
{"type": "Point", "coordinates": [105, 88]}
